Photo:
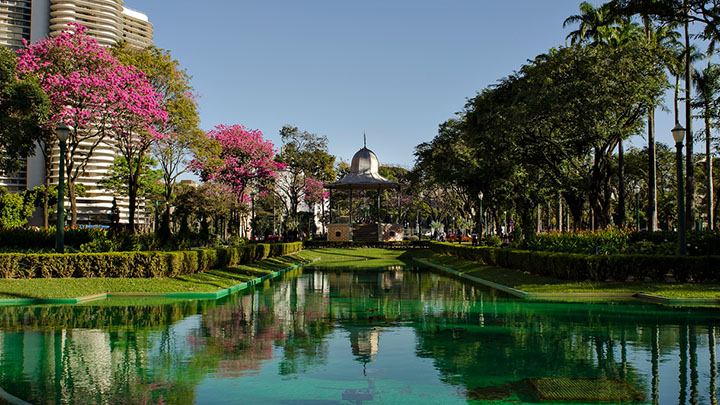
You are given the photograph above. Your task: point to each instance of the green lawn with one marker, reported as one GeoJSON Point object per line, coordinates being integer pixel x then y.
{"type": "Point", "coordinates": [208, 281]}
{"type": "Point", "coordinates": [364, 259]}
{"type": "Point", "coordinates": [541, 284]}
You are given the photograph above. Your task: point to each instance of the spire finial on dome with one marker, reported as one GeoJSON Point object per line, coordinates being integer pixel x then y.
{"type": "Point", "coordinates": [364, 140]}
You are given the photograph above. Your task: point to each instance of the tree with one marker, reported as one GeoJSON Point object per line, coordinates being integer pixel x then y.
{"type": "Point", "coordinates": [305, 157]}
{"type": "Point", "coordinates": [181, 132]}
{"type": "Point", "coordinates": [91, 92]}
{"type": "Point", "coordinates": [593, 24]}
{"type": "Point", "coordinates": [23, 107]}
{"type": "Point", "coordinates": [117, 179]}
{"type": "Point", "coordinates": [705, 12]}
{"type": "Point", "coordinates": [239, 158]}
{"type": "Point", "coordinates": [707, 87]}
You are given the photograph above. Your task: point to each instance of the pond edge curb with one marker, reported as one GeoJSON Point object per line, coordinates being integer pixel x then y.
{"type": "Point", "coordinates": [657, 299]}
{"type": "Point", "coordinates": [170, 295]}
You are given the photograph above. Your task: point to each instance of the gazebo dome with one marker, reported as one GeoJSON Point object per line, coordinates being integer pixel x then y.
{"type": "Point", "coordinates": [365, 162]}
{"type": "Point", "coordinates": [364, 174]}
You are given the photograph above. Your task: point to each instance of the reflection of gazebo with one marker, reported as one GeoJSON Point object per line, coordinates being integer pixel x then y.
{"type": "Point", "coordinates": [364, 175]}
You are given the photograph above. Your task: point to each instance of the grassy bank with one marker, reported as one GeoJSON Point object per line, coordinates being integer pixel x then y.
{"type": "Point", "coordinates": [331, 258]}
{"type": "Point", "coordinates": [208, 281]}
{"type": "Point", "coordinates": [541, 284]}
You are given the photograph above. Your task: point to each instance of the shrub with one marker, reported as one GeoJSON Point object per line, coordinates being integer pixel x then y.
{"type": "Point", "coordinates": [134, 264]}
{"type": "Point", "coordinates": [577, 266]}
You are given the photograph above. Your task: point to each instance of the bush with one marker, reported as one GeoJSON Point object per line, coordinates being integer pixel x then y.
{"type": "Point", "coordinates": [135, 264]}
{"type": "Point", "coordinates": [314, 244]}
{"type": "Point", "coordinates": [581, 267]}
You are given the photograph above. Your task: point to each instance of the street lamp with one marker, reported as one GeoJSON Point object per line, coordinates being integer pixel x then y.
{"type": "Point", "coordinates": [482, 220]}
{"type": "Point", "coordinates": [637, 206]}
{"type": "Point", "coordinates": [505, 228]}
{"type": "Point", "coordinates": [62, 132]}
{"type": "Point", "coordinates": [678, 134]}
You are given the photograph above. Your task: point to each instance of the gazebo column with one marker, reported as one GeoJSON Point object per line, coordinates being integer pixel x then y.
{"type": "Point", "coordinates": [329, 207]}
{"type": "Point", "coordinates": [379, 217]}
{"type": "Point", "coordinates": [351, 206]}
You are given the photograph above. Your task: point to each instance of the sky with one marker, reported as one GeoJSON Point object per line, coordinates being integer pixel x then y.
{"type": "Point", "coordinates": [393, 70]}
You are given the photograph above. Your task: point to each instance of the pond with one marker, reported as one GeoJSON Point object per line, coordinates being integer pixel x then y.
{"type": "Point", "coordinates": [397, 335]}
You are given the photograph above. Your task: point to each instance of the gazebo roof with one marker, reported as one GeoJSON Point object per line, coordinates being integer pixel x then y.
{"type": "Point", "coordinates": [364, 174]}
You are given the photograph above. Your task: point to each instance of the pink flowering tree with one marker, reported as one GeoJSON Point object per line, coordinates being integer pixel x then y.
{"type": "Point", "coordinates": [315, 193]}
{"type": "Point", "coordinates": [92, 93]}
{"type": "Point", "coordinates": [135, 129]}
{"type": "Point", "coordinates": [238, 157]}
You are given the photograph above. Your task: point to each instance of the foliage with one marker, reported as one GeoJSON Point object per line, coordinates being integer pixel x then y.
{"type": "Point", "coordinates": [34, 239]}
{"type": "Point", "coordinates": [437, 226]}
{"type": "Point", "coordinates": [15, 208]}
{"type": "Point", "coordinates": [608, 241]}
{"type": "Point", "coordinates": [117, 177]}
{"type": "Point", "coordinates": [306, 165]}
{"type": "Point", "coordinates": [23, 107]}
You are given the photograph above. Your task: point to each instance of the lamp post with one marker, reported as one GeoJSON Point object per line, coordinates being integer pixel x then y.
{"type": "Point", "coordinates": [252, 218]}
{"type": "Point", "coordinates": [637, 206]}
{"type": "Point", "coordinates": [482, 219]}
{"type": "Point", "coordinates": [62, 132]}
{"type": "Point", "coordinates": [678, 133]}
{"type": "Point", "coordinates": [505, 228]}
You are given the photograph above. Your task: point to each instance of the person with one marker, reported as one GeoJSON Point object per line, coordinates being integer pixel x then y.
{"type": "Point", "coordinates": [474, 239]}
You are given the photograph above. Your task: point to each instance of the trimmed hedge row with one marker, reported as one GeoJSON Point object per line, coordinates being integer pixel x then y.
{"type": "Point", "coordinates": [135, 264]}
{"type": "Point", "coordinates": [575, 266]}
{"type": "Point", "coordinates": [314, 244]}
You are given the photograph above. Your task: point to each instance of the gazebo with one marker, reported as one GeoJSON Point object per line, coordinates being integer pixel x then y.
{"type": "Point", "coordinates": [364, 176]}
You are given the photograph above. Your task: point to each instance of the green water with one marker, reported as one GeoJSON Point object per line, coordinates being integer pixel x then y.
{"type": "Point", "coordinates": [318, 337]}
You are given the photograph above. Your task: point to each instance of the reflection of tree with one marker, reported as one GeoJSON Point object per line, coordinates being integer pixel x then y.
{"type": "Point", "coordinates": [148, 353]}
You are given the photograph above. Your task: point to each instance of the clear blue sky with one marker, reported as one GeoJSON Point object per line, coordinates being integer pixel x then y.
{"type": "Point", "coordinates": [392, 69]}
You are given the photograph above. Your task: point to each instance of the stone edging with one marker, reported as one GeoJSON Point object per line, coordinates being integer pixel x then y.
{"type": "Point", "coordinates": [172, 295]}
{"type": "Point", "coordinates": [658, 299]}
{"type": "Point", "coordinates": [9, 398]}
{"type": "Point", "coordinates": [509, 290]}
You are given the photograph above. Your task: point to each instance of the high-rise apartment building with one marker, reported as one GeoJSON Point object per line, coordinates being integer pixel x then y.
{"type": "Point", "coordinates": [109, 22]}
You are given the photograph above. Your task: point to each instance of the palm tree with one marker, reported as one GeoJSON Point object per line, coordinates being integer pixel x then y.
{"type": "Point", "coordinates": [707, 86]}
{"type": "Point", "coordinates": [664, 40]}
{"type": "Point", "coordinates": [593, 23]}
{"type": "Point", "coordinates": [600, 26]}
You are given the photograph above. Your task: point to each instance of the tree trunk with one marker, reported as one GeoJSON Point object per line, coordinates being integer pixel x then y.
{"type": "Point", "coordinates": [600, 190]}
{"type": "Point", "coordinates": [652, 177]}
{"type": "Point", "coordinates": [709, 168]}
{"type": "Point", "coordinates": [131, 208]}
{"type": "Point", "coordinates": [560, 214]}
{"type": "Point", "coordinates": [73, 204]}
{"type": "Point", "coordinates": [621, 185]}
{"type": "Point", "coordinates": [46, 197]}
{"type": "Point", "coordinates": [676, 99]}
{"type": "Point", "coordinates": [689, 167]}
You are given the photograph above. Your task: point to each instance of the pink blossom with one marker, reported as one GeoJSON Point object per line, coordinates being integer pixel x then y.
{"type": "Point", "coordinates": [243, 156]}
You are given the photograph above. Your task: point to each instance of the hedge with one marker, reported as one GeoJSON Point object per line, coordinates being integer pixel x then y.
{"type": "Point", "coordinates": [135, 264]}
{"type": "Point", "coordinates": [405, 244]}
{"type": "Point", "coordinates": [580, 267]}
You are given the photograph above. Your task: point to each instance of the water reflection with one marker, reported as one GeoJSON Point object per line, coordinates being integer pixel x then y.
{"type": "Point", "coordinates": [338, 336]}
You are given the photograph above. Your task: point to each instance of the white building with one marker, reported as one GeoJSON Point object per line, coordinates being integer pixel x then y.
{"type": "Point", "coordinates": [109, 22]}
